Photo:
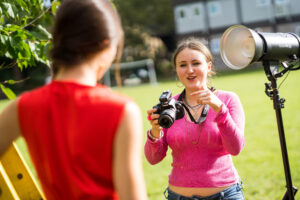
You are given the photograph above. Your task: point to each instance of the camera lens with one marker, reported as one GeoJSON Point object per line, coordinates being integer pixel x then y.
{"type": "Point", "coordinates": [167, 118]}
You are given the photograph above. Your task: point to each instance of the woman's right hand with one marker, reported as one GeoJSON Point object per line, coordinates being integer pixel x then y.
{"type": "Point", "coordinates": [153, 119]}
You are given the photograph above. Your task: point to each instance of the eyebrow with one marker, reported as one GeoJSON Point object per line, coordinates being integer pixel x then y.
{"type": "Point", "coordinates": [184, 61]}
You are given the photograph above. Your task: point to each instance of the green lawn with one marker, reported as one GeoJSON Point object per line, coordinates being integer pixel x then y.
{"type": "Point", "coordinates": [259, 164]}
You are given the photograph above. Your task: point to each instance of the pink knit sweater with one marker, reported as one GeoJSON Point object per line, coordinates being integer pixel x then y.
{"type": "Point", "coordinates": [207, 163]}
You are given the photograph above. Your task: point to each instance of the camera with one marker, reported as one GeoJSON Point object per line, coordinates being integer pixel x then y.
{"type": "Point", "coordinates": [169, 109]}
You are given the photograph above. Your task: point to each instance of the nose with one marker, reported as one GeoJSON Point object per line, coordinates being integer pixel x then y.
{"type": "Point", "coordinates": [190, 68]}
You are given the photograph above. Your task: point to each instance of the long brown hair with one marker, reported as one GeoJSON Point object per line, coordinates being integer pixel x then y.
{"type": "Point", "coordinates": [80, 28]}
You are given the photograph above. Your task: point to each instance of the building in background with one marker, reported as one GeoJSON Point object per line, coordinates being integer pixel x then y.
{"type": "Point", "coordinates": [208, 19]}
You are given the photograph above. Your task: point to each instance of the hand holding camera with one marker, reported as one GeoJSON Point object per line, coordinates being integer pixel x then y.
{"type": "Point", "coordinates": [165, 113]}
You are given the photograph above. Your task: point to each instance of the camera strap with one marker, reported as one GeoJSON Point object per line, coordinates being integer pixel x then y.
{"type": "Point", "coordinates": [204, 111]}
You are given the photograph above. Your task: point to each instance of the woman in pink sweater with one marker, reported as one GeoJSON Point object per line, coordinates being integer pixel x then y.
{"type": "Point", "coordinates": [203, 141]}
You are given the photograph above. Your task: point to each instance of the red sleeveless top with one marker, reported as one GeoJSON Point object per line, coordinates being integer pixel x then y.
{"type": "Point", "coordinates": [69, 129]}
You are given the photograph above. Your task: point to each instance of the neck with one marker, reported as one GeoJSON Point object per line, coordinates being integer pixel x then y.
{"type": "Point", "coordinates": [81, 74]}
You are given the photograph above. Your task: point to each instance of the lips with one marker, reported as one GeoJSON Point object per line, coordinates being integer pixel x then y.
{"type": "Point", "coordinates": [191, 77]}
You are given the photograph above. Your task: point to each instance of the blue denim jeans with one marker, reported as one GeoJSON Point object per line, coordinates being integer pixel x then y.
{"type": "Point", "coordinates": [234, 192]}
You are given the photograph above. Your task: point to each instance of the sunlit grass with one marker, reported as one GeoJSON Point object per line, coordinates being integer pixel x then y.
{"type": "Point", "coordinates": [260, 163]}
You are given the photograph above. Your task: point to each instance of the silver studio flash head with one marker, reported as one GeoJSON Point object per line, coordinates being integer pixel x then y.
{"type": "Point", "coordinates": [241, 46]}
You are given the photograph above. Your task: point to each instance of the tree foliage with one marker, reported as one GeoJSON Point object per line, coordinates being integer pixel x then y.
{"type": "Point", "coordinates": [155, 16]}
{"type": "Point", "coordinates": [24, 38]}
{"type": "Point", "coordinates": [149, 31]}
{"type": "Point", "coordinates": [145, 20]}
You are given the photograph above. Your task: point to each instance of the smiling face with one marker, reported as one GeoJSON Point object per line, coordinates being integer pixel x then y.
{"type": "Point", "coordinates": [192, 69]}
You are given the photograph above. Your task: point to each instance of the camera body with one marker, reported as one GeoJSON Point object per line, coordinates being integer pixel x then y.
{"type": "Point", "coordinates": [169, 109]}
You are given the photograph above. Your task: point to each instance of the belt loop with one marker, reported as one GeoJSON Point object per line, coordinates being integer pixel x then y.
{"type": "Point", "coordinates": [221, 195]}
{"type": "Point", "coordinates": [241, 183]}
{"type": "Point", "coordinates": [240, 186]}
{"type": "Point", "coordinates": [165, 193]}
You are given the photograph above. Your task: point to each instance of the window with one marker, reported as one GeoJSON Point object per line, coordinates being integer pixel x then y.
{"type": "Point", "coordinates": [214, 9]}
{"type": "Point", "coordinates": [281, 2]}
{"type": "Point", "coordinates": [263, 3]}
{"type": "Point", "coordinates": [181, 14]}
{"type": "Point", "coordinates": [196, 11]}
{"type": "Point", "coordinates": [215, 45]}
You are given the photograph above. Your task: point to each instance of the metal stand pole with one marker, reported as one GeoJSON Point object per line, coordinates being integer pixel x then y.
{"type": "Point", "coordinates": [271, 68]}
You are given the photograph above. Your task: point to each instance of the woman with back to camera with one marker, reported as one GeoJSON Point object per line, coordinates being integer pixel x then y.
{"type": "Point", "coordinates": [84, 139]}
{"type": "Point", "coordinates": [203, 141]}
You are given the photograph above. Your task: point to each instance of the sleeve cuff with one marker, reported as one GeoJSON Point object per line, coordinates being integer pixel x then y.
{"type": "Point", "coordinates": [152, 138]}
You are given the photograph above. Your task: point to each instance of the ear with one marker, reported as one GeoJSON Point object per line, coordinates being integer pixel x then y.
{"type": "Point", "coordinates": [105, 43]}
{"type": "Point", "coordinates": [209, 65]}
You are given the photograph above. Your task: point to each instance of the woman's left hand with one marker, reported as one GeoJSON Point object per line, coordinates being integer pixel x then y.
{"type": "Point", "coordinates": [208, 97]}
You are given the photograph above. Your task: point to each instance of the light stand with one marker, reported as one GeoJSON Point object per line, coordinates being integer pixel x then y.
{"type": "Point", "coordinates": [271, 70]}
{"type": "Point", "coordinates": [241, 46]}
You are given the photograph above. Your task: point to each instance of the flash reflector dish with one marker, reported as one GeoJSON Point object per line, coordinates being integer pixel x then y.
{"type": "Point", "coordinates": [240, 46]}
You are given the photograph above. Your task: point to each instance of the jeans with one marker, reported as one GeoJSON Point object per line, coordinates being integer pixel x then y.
{"type": "Point", "coordinates": [234, 192]}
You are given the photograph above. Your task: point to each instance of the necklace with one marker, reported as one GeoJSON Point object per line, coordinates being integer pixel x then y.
{"type": "Point", "coordinates": [191, 107]}
{"type": "Point", "coordinates": [195, 108]}
{"type": "Point", "coordinates": [194, 115]}
{"type": "Point", "coordinates": [194, 142]}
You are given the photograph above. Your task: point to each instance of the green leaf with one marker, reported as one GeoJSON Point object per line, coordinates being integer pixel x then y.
{"type": "Point", "coordinates": [41, 33]}
{"type": "Point", "coordinates": [2, 19]}
{"type": "Point", "coordinates": [20, 66]}
{"type": "Point", "coordinates": [15, 11]}
{"type": "Point", "coordinates": [32, 46]}
{"type": "Point", "coordinates": [8, 55]}
{"type": "Point", "coordinates": [21, 3]}
{"type": "Point", "coordinates": [12, 28]}
{"type": "Point", "coordinates": [13, 42]}
{"type": "Point", "coordinates": [26, 50]}
{"type": "Point", "coordinates": [54, 7]}
{"type": "Point", "coordinates": [8, 92]}
{"type": "Point", "coordinates": [8, 10]}
{"type": "Point", "coordinates": [11, 82]}
{"type": "Point", "coordinates": [3, 39]}
{"type": "Point", "coordinates": [44, 31]}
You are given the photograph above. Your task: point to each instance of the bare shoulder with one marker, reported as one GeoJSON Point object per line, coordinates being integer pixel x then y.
{"type": "Point", "coordinates": [10, 112]}
{"type": "Point", "coordinates": [131, 122]}
{"type": "Point", "coordinates": [131, 108]}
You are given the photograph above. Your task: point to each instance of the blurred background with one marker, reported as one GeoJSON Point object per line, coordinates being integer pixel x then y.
{"type": "Point", "coordinates": [152, 30]}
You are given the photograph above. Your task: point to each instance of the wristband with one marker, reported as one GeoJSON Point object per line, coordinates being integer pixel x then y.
{"type": "Point", "coordinates": [154, 139]}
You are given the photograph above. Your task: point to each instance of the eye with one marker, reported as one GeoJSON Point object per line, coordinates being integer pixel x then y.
{"type": "Point", "coordinates": [196, 63]}
{"type": "Point", "coordinates": [182, 65]}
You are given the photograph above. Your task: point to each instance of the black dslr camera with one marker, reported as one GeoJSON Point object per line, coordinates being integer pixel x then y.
{"type": "Point", "coordinates": [169, 109]}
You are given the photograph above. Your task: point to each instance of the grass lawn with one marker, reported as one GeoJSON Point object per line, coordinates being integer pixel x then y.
{"type": "Point", "coordinates": [260, 163]}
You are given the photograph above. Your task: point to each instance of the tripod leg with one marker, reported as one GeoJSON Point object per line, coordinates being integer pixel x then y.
{"type": "Point", "coordinates": [22, 181]}
{"type": "Point", "coordinates": [286, 195]}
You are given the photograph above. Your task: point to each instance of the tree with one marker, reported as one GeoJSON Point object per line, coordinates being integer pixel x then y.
{"type": "Point", "coordinates": [141, 17]}
{"type": "Point", "coordinates": [24, 38]}
{"type": "Point", "coordinates": [154, 16]}
{"type": "Point", "coordinates": [149, 31]}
